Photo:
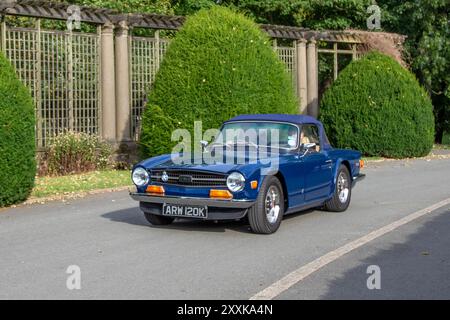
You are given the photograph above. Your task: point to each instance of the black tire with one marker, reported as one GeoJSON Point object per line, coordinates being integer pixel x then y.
{"type": "Point", "coordinates": [157, 220]}
{"type": "Point", "coordinates": [257, 217]}
{"type": "Point", "coordinates": [337, 203]}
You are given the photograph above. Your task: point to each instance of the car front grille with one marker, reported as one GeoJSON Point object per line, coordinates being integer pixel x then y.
{"type": "Point", "coordinates": [190, 178]}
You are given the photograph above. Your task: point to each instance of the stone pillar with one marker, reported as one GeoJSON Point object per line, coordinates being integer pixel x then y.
{"type": "Point", "coordinates": [313, 79]}
{"type": "Point", "coordinates": [355, 52]}
{"type": "Point", "coordinates": [122, 84]}
{"type": "Point", "coordinates": [108, 83]}
{"type": "Point", "coordinates": [3, 34]}
{"type": "Point", "coordinates": [302, 74]}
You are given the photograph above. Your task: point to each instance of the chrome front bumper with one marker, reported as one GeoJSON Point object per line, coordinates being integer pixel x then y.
{"type": "Point", "coordinates": [236, 204]}
{"type": "Point", "coordinates": [358, 178]}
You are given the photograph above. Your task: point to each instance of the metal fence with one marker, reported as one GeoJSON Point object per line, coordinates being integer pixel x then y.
{"type": "Point", "coordinates": [289, 56]}
{"type": "Point", "coordinates": [62, 71]}
{"type": "Point", "coordinates": [145, 57]}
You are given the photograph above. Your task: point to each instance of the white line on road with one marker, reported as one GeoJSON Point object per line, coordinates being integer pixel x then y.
{"type": "Point", "coordinates": [301, 273]}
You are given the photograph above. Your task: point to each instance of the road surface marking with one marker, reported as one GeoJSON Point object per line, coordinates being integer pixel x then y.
{"type": "Point", "coordinates": [301, 273]}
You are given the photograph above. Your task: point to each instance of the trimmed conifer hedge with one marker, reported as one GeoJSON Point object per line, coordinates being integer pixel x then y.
{"type": "Point", "coordinates": [220, 64]}
{"type": "Point", "coordinates": [378, 107]}
{"type": "Point", "coordinates": [17, 140]}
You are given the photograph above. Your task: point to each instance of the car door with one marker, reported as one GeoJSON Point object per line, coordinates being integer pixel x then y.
{"type": "Point", "coordinates": [317, 166]}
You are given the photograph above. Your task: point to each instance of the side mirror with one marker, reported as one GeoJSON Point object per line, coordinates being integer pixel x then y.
{"type": "Point", "coordinates": [204, 144]}
{"type": "Point", "coordinates": [306, 147]}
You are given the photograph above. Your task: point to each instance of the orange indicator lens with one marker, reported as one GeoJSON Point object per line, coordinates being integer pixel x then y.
{"type": "Point", "coordinates": [159, 190]}
{"type": "Point", "coordinates": [220, 194]}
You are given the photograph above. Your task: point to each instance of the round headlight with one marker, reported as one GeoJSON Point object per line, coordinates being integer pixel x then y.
{"type": "Point", "coordinates": [235, 182]}
{"type": "Point", "coordinates": [140, 176]}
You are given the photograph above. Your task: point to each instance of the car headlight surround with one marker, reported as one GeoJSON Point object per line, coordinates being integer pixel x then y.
{"type": "Point", "coordinates": [140, 177]}
{"type": "Point", "coordinates": [235, 182]}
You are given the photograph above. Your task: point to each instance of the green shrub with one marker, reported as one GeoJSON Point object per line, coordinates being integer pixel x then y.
{"type": "Point", "coordinates": [220, 64]}
{"type": "Point", "coordinates": [74, 152]}
{"type": "Point", "coordinates": [17, 140]}
{"type": "Point", "coordinates": [378, 107]}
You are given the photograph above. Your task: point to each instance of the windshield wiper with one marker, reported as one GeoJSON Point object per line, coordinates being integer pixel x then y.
{"type": "Point", "coordinates": [247, 143]}
{"type": "Point", "coordinates": [230, 144]}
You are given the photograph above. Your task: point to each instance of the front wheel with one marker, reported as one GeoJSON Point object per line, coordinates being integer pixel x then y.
{"type": "Point", "coordinates": [266, 214]}
{"type": "Point", "coordinates": [342, 192]}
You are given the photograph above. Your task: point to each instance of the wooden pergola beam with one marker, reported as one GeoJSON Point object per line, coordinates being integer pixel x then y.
{"type": "Point", "coordinates": [51, 10]}
{"type": "Point", "coordinates": [151, 21]}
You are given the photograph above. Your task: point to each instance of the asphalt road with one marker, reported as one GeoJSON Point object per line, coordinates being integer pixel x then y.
{"type": "Point", "coordinates": [121, 257]}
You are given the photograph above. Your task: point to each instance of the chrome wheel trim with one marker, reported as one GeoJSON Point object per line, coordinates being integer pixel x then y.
{"type": "Point", "coordinates": [272, 204]}
{"type": "Point", "coordinates": [343, 190]}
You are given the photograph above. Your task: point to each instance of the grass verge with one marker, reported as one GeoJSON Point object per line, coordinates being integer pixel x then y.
{"type": "Point", "coordinates": [441, 147]}
{"type": "Point", "coordinates": [372, 158]}
{"type": "Point", "coordinates": [85, 182]}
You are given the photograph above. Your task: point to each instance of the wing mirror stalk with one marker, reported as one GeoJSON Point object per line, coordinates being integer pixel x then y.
{"type": "Point", "coordinates": [204, 144]}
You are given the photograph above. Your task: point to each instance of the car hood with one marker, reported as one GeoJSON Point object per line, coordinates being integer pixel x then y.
{"type": "Point", "coordinates": [244, 165]}
{"type": "Point", "coordinates": [196, 164]}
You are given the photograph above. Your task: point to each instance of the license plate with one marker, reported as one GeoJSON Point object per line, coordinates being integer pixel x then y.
{"type": "Point", "coordinates": [175, 210]}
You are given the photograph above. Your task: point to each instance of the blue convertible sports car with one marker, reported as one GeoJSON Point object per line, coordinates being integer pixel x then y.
{"type": "Point", "coordinates": [290, 166]}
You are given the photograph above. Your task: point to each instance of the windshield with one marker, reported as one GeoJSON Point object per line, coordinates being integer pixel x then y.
{"type": "Point", "coordinates": [259, 134]}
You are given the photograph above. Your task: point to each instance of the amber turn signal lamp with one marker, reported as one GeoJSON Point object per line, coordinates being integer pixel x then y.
{"type": "Point", "coordinates": [220, 194]}
{"type": "Point", "coordinates": [361, 164]}
{"type": "Point", "coordinates": [254, 184]}
{"type": "Point", "coordinates": [158, 190]}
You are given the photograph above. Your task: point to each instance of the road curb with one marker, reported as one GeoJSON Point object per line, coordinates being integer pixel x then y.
{"type": "Point", "coordinates": [66, 197]}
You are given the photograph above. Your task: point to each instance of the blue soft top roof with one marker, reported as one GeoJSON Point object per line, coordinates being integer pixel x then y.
{"type": "Point", "coordinates": [289, 118]}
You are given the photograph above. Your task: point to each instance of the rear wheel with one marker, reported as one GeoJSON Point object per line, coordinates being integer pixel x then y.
{"type": "Point", "coordinates": [342, 193]}
{"type": "Point", "coordinates": [266, 214]}
{"type": "Point", "coordinates": [157, 220]}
